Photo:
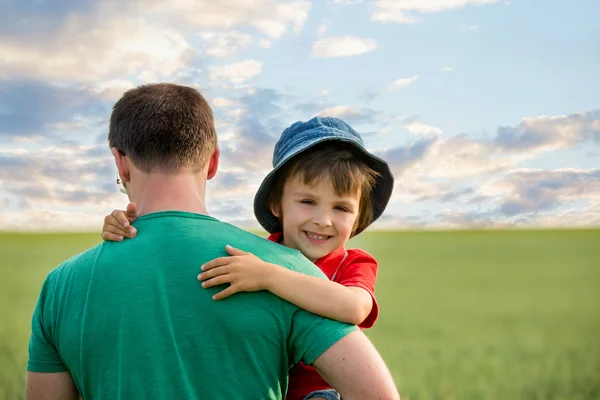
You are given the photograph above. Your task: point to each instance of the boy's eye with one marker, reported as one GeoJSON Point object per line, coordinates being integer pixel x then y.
{"type": "Point", "coordinates": [340, 208]}
{"type": "Point", "coordinates": [306, 201]}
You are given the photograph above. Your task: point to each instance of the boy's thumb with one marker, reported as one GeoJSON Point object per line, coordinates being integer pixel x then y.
{"type": "Point", "coordinates": [131, 211]}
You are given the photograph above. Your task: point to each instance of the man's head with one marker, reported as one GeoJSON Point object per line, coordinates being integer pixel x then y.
{"type": "Point", "coordinates": [322, 197]}
{"type": "Point", "coordinates": [162, 128]}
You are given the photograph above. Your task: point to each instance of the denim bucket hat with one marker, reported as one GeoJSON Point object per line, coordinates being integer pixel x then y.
{"type": "Point", "coordinates": [302, 136]}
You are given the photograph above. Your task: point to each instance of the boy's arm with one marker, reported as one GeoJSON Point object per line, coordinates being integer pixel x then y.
{"type": "Point", "coordinates": [320, 296]}
{"type": "Point", "coordinates": [245, 272]}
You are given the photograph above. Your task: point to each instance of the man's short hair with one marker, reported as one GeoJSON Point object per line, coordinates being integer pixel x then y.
{"type": "Point", "coordinates": [163, 128]}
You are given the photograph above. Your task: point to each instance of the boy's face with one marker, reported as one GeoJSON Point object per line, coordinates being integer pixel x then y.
{"type": "Point", "coordinates": [315, 219]}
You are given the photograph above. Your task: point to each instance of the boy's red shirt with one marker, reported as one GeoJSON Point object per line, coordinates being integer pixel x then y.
{"type": "Point", "coordinates": [352, 267]}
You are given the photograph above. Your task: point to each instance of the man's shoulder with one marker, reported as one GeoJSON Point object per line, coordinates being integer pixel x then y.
{"type": "Point", "coordinates": [276, 253]}
{"type": "Point", "coordinates": [262, 247]}
{"type": "Point", "coordinates": [78, 263]}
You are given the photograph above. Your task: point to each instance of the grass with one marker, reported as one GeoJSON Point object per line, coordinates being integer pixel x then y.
{"type": "Point", "coordinates": [463, 315]}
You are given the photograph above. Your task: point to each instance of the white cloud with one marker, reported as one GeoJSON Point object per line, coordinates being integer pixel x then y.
{"type": "Point", "coordinates": [112, 90]}
{"type": "Point", "coordinates": [342, 112]}
{"type": "Point", "coordinates": [342, 47]}
{"type": "Point", "coordinates": [265, 43]}
{"type": "Point", "coordinates": [446, 69]}
{"type": "Point", "coordinates": [468, 27]}
{"type": "Point", "coordinates": [222, 102]}
{"type": "Point", "coordinates": [271, 18]}
{"type": "Point", "coordinates": [238, 72]}
{"type": "Point", "coordinates": [403, 82]}
{"type": "Point", "coordinates": [574, 217]}
{"type": "Point", "coordinates": [85, 50]}
{"type": "Point", "coordinates": [347, 2]}
{"type": "Point", "coordinates": [321, 30]}
{"type": "Point", "coordinates": [47, 219]}
{"type": "Point", "coordinates": [225, 44]}
{"type": "Point", "coordinates": [403, 11]}
{"type": "Point", "coordinates": [417, 128]}
{"type": "Point", "coordinates": [140, 38]}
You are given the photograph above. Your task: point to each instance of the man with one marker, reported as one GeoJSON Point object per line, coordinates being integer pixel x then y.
{"type": "Point", "coordinates": [130, 320]}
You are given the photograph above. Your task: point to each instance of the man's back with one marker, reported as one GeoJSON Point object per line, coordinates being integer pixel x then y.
{"type": "Point", "coordinates": [130, 320]}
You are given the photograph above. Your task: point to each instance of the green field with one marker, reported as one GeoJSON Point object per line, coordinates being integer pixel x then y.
{"type": "Point", "coordinates": [464, 315]}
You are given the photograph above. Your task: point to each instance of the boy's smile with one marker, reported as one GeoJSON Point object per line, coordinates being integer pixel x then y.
{"type": "Point", "coordinates": [316, 220]}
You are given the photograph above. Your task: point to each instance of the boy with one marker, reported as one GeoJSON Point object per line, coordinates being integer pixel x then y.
{"type": "Point", "coordinates": [324, 189]}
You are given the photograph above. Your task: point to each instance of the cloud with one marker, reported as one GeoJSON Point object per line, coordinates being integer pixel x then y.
{"type": "Point", "coordinates": [548, 133]}
{"type": "Point", "coordinates": [351, 114]}
{"type": "Point", "coordinates": [468, 27]}
{"type": "Point", "coordinates": [347, 2]}
{"type": "Point", "coordinates": [417, 128]}
{"type": "Point", "coordinates": [90, 41]}
{"type": "Point", "coordinates": [461, 156]}
{"type": "Point", "coordinates": [446, 69]}
{"type": "Point", "coordinates": [271, 18]}
{"type": "Point", "coordinates": [459, 219]}
{"type": "Point", "coordinates": [403, 12]}
{"type": "Point", "coordinates": [225, 44]}
{"type": "Point", "coordinates": [60, 176]}
{"type": "Point", "coordinates": [112, 90]}
{"type": "Point", "coordinates": [574, 217]}
{"type": "Point", "coordinates": [342, 47]}
{"type": "Point", "coordinates": [222, 102]}
{"type": "Point", "coordinates": [402, 158]}
{"type": "Point", "coordinates": [321, 30]}
{"type": "Point", "coordinates": [48, 219]}
{"type": "Point", "coordinates": [29, 108]}
{"type": "Point", "coordinates": [87, 49]}
{"type": "Point", "coordinates": [256, 128]}
{"type": "Point", "coordinates": [403, 82]}
{"type": "Point", "coordinates": [531, 191]}
{"type": "Point", "coordinates": [238, 72]}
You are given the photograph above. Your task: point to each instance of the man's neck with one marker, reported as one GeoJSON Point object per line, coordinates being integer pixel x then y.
{"type": "Point", "coordinates": [171, 192]}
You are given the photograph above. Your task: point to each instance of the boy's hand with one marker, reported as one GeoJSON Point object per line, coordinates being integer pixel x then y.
{"type": "Point", "coordinates": [117, 224]}
{"type": "Point", "coordinates": [242, 270]}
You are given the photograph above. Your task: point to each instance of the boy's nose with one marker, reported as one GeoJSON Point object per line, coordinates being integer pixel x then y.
{"type": "Point", "coordinates": [322, 219]}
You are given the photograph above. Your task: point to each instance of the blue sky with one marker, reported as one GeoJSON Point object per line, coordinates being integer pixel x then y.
{"type": "Point", "coordinates": [488, 111]}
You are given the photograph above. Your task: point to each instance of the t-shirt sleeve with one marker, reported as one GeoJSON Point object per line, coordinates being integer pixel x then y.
{"type": "Point", "coordinates": [362, 272]}
{"type": "Point", "coordinates": [43, 355]}
{"type": "Point", "coordinates": [311, 335]}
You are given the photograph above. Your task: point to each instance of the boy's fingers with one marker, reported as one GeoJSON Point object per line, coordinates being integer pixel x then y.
{"type": "Point", "coordinates": [120, 216]}
{"type": "Point", "coordinates": [118, 230]}
{"type": "Point", "coordinates": [113, 237]}
{"type": "Point", "coordinates": [219, 280]}
{"type": "Point", "coordinates": [217, 262]}
{"type": "Point", "coordinates": [213, 272]}
{"type": "Point", "coordinates": [234, 252]}
{"type": "Point", "coordinates": [225, 293]}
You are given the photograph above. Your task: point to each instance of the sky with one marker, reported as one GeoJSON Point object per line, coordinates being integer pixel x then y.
{"type": "Point", "coordinates": [488, 111]}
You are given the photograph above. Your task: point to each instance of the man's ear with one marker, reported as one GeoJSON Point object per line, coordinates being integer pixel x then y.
{"type": "Point", "coordinates": [121, 163]}
{"type": "Point", "coordinates": [213, 164]}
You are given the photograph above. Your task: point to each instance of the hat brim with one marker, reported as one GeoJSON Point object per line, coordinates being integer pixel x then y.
{"type": "Point", "coordinates": [380, 195]}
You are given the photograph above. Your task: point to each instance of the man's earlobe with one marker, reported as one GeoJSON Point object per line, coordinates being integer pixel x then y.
{"type": "Point", "coordinates": [213, 164]}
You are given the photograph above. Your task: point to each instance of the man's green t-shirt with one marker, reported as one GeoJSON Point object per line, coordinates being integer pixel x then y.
{"type": "Point", "coordinates": [130, 320]}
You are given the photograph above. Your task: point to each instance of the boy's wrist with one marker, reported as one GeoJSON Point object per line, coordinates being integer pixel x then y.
{"type": "Point", "coordinates": [271, 276]}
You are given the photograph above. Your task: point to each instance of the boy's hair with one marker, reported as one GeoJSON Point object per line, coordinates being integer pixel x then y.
{"type": "Point", "coordinates": [339, 162]}
{"type": "Point", "coordinates": [163, 127]}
